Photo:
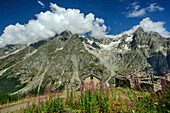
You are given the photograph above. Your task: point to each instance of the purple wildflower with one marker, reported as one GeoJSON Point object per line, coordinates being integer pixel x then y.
{"type": "Point", "coordinates": [58, 94]}
{"type": "Point", "coordinates": [28, 102]}
{"type": "Point", "coordinates": [162, 91]}
{"type": "Point", "coordinates": [138, 84]}
{"type": "Point", "coordinates": [164, 72]}
{"type": "Point", "coordinates": [27, 92]}
{"type": "Point", "coordinates": [154, 107]}
{"type": "Point", "coordinates": [40, 102]}
{"type": "Point", "coordinates": [127, 87]}
{"type": "Point", "coordinates": [126, 94]}
{"type": "Point", "coordinates": [45, 97]}
{"type": "Point", "coordinates": [55, 91]}
{"type": "Point", "coordinates": [64, 101]}
{"type": "Point", "coordinates": [131, 104]}
{"type": "Point", "coordinates": [95, 110]}
{"type": "Point", "coordinates": [136, 76]}
{"type": "Point", "coordinates": [40, 106]}
{"type": "Point", "coordinates": [90, 103]}
{"type": "Point", "coordinates": [131, 78]}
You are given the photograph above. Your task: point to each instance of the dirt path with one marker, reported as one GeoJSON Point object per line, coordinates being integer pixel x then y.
{"type": "Point", "coordinates": [20, 106]}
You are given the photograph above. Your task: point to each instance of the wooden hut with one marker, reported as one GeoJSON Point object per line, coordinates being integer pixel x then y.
{"type": "Point", "coordinates": [92, 78]}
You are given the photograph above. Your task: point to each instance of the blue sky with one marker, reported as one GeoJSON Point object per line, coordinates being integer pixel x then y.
{"type": "Point", "coordinates": [118, 15]}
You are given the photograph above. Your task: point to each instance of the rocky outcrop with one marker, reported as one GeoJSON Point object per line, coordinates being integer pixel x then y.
{"type": "Point", "coordinates": [61, 60]}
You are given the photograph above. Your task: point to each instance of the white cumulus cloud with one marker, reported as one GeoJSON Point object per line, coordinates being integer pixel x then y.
{"type": "Point", "coordinates": [148, 25]}
{"type": "Point", "coordinates": [51, 22]}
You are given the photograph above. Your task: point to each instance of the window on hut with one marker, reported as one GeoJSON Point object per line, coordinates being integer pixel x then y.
{"type": "Point", "coordinates": [91, 77]}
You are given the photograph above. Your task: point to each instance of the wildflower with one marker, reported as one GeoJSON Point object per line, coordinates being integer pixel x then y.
{"type": "Point", "coordinates": [90, 103]}
{"type": "Point", "coordinates": [138, 84]}
{"type": "Point", "coordinates": [136, 76]}
{"type": "Point", "coordinates": [67, 86]}
{"type": "Point", "coordinates": [133, 87]}
{"type": "Point", "coordinates": [127, 88]}
{"type": "Point", "coordinates": [131, 78]}
{"type": "Point", "coordinates": [55, 91]}
{"type": "Point", "coordinates": [70, 97]}
{"type": "Point", "coordinates": [58, 94]}
{"type": "Point", "coordinates": [162, 91]}
{"type": "Point", "coordinates": [154, 107]}
{"type": "Point", "coordinates": [64, 101]}
{"type": "Point", "coordinates": [95, 110]}
{"type": "Point", "coordinates": [126, 94]}
{"type": "Point", "coordinates": [61, 91]}
{"type": "Point", "coordinates": [40, 102]}
{"type": "Point", "coordinates": [131, 104]}
{"type": "Point", "coordinates": [53, 85]}
{"type": "Point", "coordinates": [164, 72]}
{"type": "Point", "coordinates": [45, 90]}
{"type": "Point", "coordinates": [27, 92]}
{"type": "Point", "coordinates": [28, 102]}
{"type": "Point", "coordinates": [40, 106]}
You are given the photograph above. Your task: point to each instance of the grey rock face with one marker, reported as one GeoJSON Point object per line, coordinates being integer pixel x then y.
{"type": "Point", "coordinates": [61, 60]}
{"type": "Point", "coordinates": [8, 49]}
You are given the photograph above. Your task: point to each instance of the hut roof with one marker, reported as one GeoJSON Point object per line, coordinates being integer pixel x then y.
{"type": "Point", "coordinates": [90, 76]}
{"type": "Point", "coordinates": [120, 77]}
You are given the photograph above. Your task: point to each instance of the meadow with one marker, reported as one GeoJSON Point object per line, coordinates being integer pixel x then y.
{"type": "Point", "coordinates": [88, 98]}
{"type": "Point", "coordinates": [100, 98]}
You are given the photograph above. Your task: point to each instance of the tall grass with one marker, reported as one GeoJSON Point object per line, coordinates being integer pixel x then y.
{"type": "Point", "coordinates": [6, 98]}
{"type": "Point", "coordinates": [100, 98]}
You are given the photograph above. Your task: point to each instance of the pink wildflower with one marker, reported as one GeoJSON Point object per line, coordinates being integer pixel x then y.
{"type": "Point", "coordinates": [132, 104]}
{"type": "Point", "coordinates": [162, 91]}
{"type": "Point", "coordinates": [90, 103]}
{"type": "Point", "coordinates": [154, 107]}
{"type": "Point", "coordinates": [126, 94]}
{"type": "Point", "coordinates": [138, 84]}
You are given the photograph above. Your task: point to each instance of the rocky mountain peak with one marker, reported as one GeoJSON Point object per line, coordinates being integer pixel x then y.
{"type": "Point", "coordinates": [66, 33]}
{"type": "Point", "coordinates": [139, 30]}
{"type": "Point", "coordinates": [106, 41]}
